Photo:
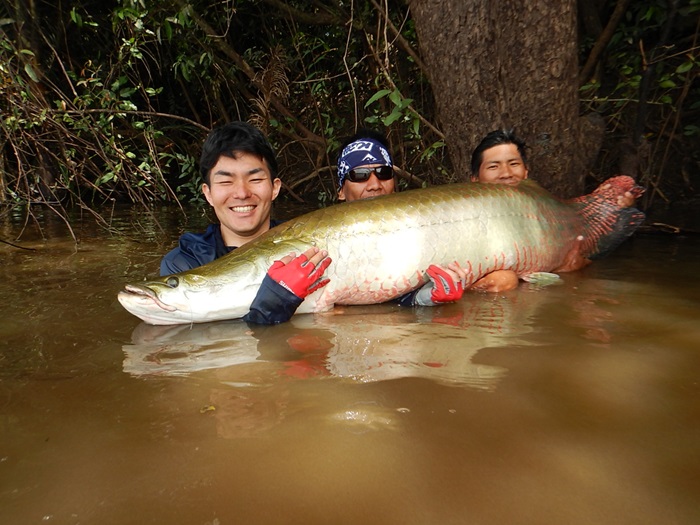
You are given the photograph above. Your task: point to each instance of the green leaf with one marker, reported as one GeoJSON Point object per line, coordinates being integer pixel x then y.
{"type": "Point", "coordinates": [107, 177]}
{"type": "Point", "coordinates": [118, 83]}
{"type": "Point", "coordinates": [685, 67]}
{"type": "Point", "coordinates": [395, 97]}
{"type": "Point", "coordinates": [691, 130]}
{"type": "Point", "coordinates": [76, 18]}
{"type": "Point", "coordinates": [31, 73]}
{"type": "Point", "coordinates": [379, 94]}
{"type": "Point", "coordinates": [393, 117]}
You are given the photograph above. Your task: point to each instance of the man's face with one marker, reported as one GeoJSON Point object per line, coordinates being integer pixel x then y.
{"type": "Point", "coordinates": [241, 192]}
{"type": "Point", "coordinates": [372, 187]}
{"type": "Point", "coordinates": [502, 164]}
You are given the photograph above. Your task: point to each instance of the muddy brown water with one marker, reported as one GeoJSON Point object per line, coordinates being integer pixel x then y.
{"type": "Point", "coordinates": [572, 404]}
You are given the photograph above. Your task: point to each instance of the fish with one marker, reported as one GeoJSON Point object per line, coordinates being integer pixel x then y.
{"type": "Point", "coordinates": [381, 247]}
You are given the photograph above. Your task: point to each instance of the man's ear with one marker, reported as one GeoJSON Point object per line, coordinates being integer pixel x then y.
{"type": "Point", "coordinates": [341, 193]}
{"type": "Point", "coordinates": [207, 193]}
{"type": "Point", "coordinates": [276, 187]}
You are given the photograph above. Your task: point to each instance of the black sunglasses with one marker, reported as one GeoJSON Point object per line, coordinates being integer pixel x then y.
{"type": "Point", "coordinates": [363, 174]}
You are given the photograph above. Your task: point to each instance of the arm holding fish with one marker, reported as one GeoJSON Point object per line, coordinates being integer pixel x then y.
{"type": "Point", "coordinates": [288, 281]}
{"type": "Point", "coordinates": [446, 285]}
{"type": "Point", "coordinates": [496, 282]}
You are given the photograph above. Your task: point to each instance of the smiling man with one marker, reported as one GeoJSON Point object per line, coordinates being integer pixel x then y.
{"type": "Point", "coordinates": [239, 170]}
{"type": "Point", "coordinates": [241, 189]}
{"type": "Point", "coordinates": [500, 158]}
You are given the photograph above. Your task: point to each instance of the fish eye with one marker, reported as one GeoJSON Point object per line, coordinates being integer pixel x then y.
{"type": "Point", "coordinates": [172, 282]}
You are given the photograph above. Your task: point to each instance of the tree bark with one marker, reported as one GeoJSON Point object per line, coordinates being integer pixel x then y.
{"type": "Point", "coordinates": [507, 64]}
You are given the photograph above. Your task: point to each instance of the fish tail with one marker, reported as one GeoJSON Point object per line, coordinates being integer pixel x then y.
{"type": "Point", "coordinates": [606, 223]}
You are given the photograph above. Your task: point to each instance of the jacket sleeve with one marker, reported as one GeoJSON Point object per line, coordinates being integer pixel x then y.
{"type": "Point", "coordinates": [273, 304]}
{"type": "Point", "coordinates": [419, 297]}
{"type": "Point", "coordinates": [408, 299]}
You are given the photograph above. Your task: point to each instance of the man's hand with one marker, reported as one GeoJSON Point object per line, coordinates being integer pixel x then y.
{"type": "Point", "coordinates": [301, 275]}
{"type": "Point", "coordinates": [626, 200]}
{"type": "Point", "coordinates": [447, 283]}
{"type": "Point", "coordinates": [497, 281]}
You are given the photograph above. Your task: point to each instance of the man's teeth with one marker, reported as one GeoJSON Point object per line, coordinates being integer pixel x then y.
{"type": "Point", "coordinates": [242, 209]}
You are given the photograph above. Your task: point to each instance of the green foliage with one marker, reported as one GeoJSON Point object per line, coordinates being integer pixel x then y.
{"type": "Point", "coordinates": [112, 100]}
{"type": "Point", "coordinates": [91, 133]}
{"type": "Point", "coordinates": [647, 87]}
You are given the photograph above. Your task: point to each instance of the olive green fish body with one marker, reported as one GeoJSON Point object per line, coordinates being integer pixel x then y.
{"type": "Point", "coordinates": [380, 248]}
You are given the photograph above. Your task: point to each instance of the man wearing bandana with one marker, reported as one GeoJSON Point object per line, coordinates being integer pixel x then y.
{"type": "Point", "coordinates": [366, 169]}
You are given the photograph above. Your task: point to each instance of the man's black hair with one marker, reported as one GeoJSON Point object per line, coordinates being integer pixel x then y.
{"type": "Point", "coordinates": [231, 139]}
{"type": "Point", "coordinates": [496, 138]}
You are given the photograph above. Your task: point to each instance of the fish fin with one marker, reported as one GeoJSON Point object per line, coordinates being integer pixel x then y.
{"type": "Point", "coordinates": [542, 278]}
{"type": "Point", "coordinates": [607, 222]}
{"type": "Point", "coordinates": [628, 221]}
{"type": "Point", "coordinates": [574, 260]}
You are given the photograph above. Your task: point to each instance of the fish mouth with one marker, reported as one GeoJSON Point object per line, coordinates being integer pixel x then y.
{"type": "Point", "coordinates": [143, 295]}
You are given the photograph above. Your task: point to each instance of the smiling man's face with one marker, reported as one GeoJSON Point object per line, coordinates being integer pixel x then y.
{"type": "Point", "coordinates": [241, 192]}
{"type": "Point", "coordinates": [502, 164]}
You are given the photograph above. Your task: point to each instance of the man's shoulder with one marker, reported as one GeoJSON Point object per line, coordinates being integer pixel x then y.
{"type": "Point", "coordinates": [208, 237]}
{"type": "Point", "coordinates": [193, 250]}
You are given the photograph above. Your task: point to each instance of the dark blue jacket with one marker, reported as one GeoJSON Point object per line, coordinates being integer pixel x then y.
{"type": "Point", "coordinates": [273, 303]}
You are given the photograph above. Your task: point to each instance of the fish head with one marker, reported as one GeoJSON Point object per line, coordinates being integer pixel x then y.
{"type": "Point", "coordinates": [188, 297]}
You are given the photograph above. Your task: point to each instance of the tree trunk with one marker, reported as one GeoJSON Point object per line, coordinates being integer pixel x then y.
{"type": "Point", "coordinates": [507, 64]}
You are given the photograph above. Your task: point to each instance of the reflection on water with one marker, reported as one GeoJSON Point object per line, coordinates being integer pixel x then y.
{"type": "Point", "coordinates": [572, 404]}
{"type": "Point", "coordinates": [371, 343]}
{"type": "Point", "coordinates": [251, 364]}
{"type": "Point", "coordinates": [363, 344]}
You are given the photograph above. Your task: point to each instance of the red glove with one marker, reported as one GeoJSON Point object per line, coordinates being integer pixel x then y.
{"type": "Point", "coordinates": [445, 290]}
{"type": "Point", "coordinates": [300, 276]}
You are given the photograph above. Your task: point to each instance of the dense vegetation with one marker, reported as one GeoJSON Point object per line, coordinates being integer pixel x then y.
{"type": "Point", "coordinates": [110, 101]}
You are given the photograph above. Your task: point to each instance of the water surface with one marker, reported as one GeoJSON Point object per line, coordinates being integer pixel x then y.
{"type": "Point", "coordinates": [573, 404]}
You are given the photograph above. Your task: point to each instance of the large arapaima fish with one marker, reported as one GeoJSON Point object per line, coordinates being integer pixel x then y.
{"type": "Point", "coordinates": [381, 247]}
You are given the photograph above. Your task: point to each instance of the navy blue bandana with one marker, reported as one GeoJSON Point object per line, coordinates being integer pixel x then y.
{"type": "Point", "coordinates": [361, 153]}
